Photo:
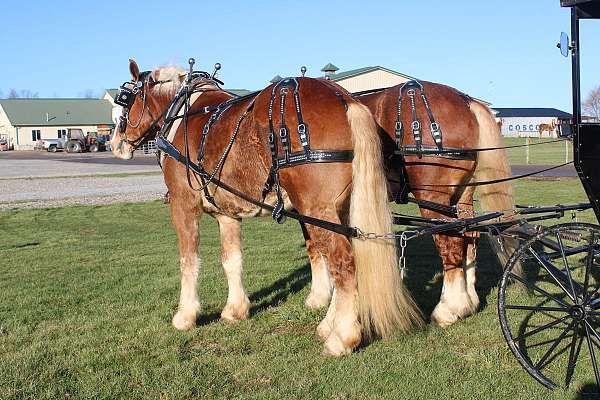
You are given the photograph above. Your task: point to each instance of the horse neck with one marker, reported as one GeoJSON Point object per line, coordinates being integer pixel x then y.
{"type": "Point", "coordinates": [212, 97]}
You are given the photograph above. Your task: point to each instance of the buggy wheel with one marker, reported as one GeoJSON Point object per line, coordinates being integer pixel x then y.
{"type": "Point", "coordinates": [550, 310]}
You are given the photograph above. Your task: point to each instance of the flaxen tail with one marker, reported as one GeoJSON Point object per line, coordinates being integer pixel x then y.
{"type": "Point", "coordinates": [384, 303]}
{"type": "Point", "coordinates": [493, 165]}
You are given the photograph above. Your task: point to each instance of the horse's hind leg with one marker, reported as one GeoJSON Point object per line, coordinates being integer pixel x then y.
{"type": "Point", "coordinates": [471, 270]}
{"type": "Point", "coordinates": [340, 328]}
{"type": "Point", "coordinates": [185, 220]}
{"type": "Point", "coordinates": [238, 305]}
{"type": "Point", "coordinates": [455, 301]}
{"type": "Point", "coordinates": [321, 287]}
{"type": "Point", "coordinates": [465, 205]}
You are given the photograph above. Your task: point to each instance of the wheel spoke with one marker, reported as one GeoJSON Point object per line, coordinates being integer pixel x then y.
{"type": "Point", "coordinates": [559, 339]}
{"type": "Point", "coordinates": [538, 289]}
{"type": "Point", "coordinates": [593, 330]}
{"type": "Point", "coordinates": [588, 266]}
{"type": "Point", "coordinates": [572, 354]}
{"type": "Point", "coordinates": [566, 264]}
{"type": "Point", "coordinates": [548, 266]}
{"type": "Point", "coordinates": [592, 352]}
{"type": "Point", "coordinates": [540, 328]}
{"type": "Point", "coordinates": [545, 342]}
{"type": "Point", "coordinates": [535, 308]}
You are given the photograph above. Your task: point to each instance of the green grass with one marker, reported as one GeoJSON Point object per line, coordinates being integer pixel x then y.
{"type": "Point", "coordinates": [543, 154]}
{"type": "Point", "coordinates": [87, 294]}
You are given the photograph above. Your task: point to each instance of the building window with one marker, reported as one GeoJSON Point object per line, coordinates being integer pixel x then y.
{"type": "Point", "coordinates": [62, 133]}
{"type": "Point", "coordinates": [36, 134]}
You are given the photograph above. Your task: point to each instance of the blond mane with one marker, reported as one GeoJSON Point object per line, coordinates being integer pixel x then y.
{"type": "Point", "coordinates": [170, 78]}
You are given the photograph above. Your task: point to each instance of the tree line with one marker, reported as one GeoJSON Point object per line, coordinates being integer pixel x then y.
{"type": "Point", "coordinates": [30, 94]}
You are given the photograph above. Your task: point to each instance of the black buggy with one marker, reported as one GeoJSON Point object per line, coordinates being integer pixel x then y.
{"type": "Point", "coordinates": [549, 300]}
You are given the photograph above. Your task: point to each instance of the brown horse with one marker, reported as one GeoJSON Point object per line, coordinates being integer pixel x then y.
{"type": "Point", "coordinates": [465, 124]}
{"type": "Point", "coordinates": [369, 295]}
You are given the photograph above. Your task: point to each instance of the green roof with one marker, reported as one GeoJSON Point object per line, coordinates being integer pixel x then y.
{"type": "Point", "coordinates": [354, 72]}
{"type": "Point", "coordinates": [112, 93]}
{"type": "Point", "coordinates": [329, 67]}
{"type": "Point", "coordinates": [239, 92]}
{"type": "Point", "coordinates": [57, 112]}
{"type": "Point", "coordinates": [276, 79]}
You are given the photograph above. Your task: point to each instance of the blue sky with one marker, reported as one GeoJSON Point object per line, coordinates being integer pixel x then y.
{"type": "Point", "coordinates": [500, 51]}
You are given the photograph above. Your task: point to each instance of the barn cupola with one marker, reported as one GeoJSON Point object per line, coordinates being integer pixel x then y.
{"type": "Point", "coordinates": [329, 69]}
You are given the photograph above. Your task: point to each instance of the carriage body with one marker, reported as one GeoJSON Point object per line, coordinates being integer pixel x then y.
{"type": "Point", "coordinates": [548, 299]}
{"type": "Point", "coordinates": [586, 136]}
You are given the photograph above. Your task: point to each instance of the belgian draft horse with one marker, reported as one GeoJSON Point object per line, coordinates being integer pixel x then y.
{"type": "Point", "coordinates": [466, 124]}
{"type": "Point", "coordinates": [369, 295]}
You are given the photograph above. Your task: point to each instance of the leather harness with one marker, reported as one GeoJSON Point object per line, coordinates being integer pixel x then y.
{"type": "Point", "coordinates": [290, 87]}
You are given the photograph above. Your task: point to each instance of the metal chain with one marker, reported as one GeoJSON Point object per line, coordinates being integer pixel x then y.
{"type": "Point", "coordinates": [402, 258]}
{"type": "Point", "coordinates": [389, 235]}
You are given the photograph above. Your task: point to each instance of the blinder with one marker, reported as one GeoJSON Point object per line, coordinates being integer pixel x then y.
{"type": "Point", "coordinates": [129, 90]}
{"type": "Point", "coordinates": [127, 93]}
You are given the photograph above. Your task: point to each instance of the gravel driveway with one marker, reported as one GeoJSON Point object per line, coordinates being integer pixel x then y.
{"type": "Point", "coordinates": [38, 180]}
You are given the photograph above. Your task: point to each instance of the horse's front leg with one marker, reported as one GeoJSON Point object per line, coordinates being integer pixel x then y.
{"type": "Point", "coordinates": [238, 304]}
{"type": "Point", "coordinates": [321, 286]}
{"type": "Point", "coordinates": [185, 218]}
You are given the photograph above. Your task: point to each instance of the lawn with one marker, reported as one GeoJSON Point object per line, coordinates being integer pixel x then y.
{"type": "Point", "coordinates": [539, 154]}
{"type": "Point", "coordinates": [87, 295]}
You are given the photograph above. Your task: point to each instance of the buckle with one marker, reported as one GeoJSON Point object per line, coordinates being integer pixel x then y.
{"type": "Point", "coordinates": [416, 125]}
{"type": "Point", "coordinates": [302, 129]}
{"type": "Point", "coordinates": [435, 127]}
{"type": "Point", "coordinates": [398, 126]}
{"type": "Point", "coordinates": [283, 133]}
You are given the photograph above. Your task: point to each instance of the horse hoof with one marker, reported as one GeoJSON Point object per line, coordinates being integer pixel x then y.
{"type": "Point", "coordinates": [183, 321]}
{"type": "Point", "coordinates": [335, 347]}
{"type": "Point", "coordinates": [474, 299]}
{"type": "Point", "coordinates": [234, 313]}
{"type": "Point", "coordinates": [315, 302]}
{"type": "Point", "coordinates": [445, 314]}
{"type": "Point", "coordinates": [323, 330]}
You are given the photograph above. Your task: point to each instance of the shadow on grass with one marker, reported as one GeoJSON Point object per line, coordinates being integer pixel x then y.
{"type": "Point", "coordinates": [423, 263]}
{"type": "Point", "coordinates": [588, 391]}
{"type": "Point", "coordinates": [280, 290]}
{"type": "Point", "coordinates": [270, 296]}
{"type": "Point", "coordinates": [424, 272]}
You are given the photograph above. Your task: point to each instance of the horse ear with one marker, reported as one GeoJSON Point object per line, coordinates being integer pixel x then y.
{"type": "Point", "coordinates": [134, 69]}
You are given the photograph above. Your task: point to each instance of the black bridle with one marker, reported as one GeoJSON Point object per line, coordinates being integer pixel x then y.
{"type": "Point", "coordinates": [128, 92]}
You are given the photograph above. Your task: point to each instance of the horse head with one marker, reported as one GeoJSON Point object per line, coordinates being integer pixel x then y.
{"type": "Point", "coordinates": [145, 100]}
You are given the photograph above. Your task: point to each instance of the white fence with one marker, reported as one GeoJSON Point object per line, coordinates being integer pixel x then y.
{"type": "Point", "coordinates": [149, 147]}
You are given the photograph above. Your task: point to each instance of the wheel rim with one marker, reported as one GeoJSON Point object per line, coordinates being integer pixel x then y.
{"type": "Point", "coordinates": [550, 311]}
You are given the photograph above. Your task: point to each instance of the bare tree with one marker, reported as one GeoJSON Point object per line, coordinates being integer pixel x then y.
{"type": "Point", "coordinates": [28, 94]}
{"type": "Point", "coordinates": [591, 105]}
{"type": "Point", "coordinates": [88, 94]}
{"type": "Point", "coordinates": [22, 94]}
